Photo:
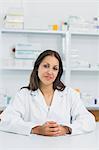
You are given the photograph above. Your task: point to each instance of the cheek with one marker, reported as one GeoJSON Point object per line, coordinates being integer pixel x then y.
{"type": "Point", "coordinates": [41, 72]}
{"type": "Point", "coordinates": [55, 74]}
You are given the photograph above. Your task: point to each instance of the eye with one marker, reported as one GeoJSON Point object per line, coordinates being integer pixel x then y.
{"type": "Point", "coordinates": [46, 65]}
{"type": "Point", "coordinates": [55, 68]}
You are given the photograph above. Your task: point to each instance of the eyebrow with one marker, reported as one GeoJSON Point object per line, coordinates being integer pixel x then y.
{"type": "Point", "coordinates": [49, 64]}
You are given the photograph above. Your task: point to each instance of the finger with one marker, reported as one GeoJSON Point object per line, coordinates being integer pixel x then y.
{"type": "Point", "coordinates": [56, 133]}
{"type": "Point", "coordinates": [51, 122]}
{"type": "Point", "coordinates": [62, 130]}
{"type": "Point", "coordinates": [56, 129]}
{"type": "Point", "coordinates": [52, 125]}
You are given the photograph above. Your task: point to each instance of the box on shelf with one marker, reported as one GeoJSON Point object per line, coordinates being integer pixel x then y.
{"type": "Point", "coordinates": [14, 19]}
{"type": "Point", "coordinates": [13, 25]}
{"type": "Point", "coordinates": [77, 23]}
{"type": "Point", "coordinates": [26, 51]}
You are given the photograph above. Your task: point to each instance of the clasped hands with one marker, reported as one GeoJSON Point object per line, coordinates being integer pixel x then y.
{"type": "Point", "coordinates": [50, 128]}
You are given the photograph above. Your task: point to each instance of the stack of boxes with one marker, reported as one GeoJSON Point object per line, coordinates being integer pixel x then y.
{"type": "Point", "coordinates": [25, 54]}
{"type": "Point", "coordinates": [24, 51]}
{"type": "Point", "coordinates": [14, 19]}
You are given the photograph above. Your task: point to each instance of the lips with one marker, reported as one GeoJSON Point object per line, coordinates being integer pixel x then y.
{"type": "Point", "coordinates": [48, 77]}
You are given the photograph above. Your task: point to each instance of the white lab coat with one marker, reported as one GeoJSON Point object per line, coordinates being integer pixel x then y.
{"type": "Point", "coordinates": [29, 109]}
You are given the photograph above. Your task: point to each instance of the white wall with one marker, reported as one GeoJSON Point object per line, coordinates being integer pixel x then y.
{"type": "Point", "coordinates": [46, 12]}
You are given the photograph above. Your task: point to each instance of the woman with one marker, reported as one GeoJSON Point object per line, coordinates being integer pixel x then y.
{"type": "Point", "coordinates": [46, 106]}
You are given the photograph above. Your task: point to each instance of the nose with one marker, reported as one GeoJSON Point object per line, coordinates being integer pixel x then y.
{"type": "Point", "coordinates": [50, 71]}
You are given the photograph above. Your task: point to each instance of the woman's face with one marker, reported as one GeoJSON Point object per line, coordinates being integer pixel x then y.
{"type": "Point", "coordinates": [48, 70]}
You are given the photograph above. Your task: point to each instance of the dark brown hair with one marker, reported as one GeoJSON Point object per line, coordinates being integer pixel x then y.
{"type": "Point", "coordinates": [34, 79]}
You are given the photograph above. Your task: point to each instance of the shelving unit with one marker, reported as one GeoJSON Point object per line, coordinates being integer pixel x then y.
{"type": "Point", "coordinates": [64, 37]}
{"type": "Point", "coordinates": [84, 78]}
{"type": "Point", "coordinates": [87, 78]}
{"type": "Point", "coordinates": [11, 37]}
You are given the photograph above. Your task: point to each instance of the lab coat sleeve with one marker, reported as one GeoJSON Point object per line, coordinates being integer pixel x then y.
{"type": "Point", "coordinates": [82, 120]}
{"type": "Point", "coordinates": [12, 119]}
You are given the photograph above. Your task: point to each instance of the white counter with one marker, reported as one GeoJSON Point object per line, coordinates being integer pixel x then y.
{"type": "Point", "coordinates": [92, 106]}
{"type": "Point", "coordinates": [90, 141]}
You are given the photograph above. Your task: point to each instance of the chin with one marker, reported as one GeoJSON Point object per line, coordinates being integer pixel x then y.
{"type": "Point", "coordinates": [47, 83]}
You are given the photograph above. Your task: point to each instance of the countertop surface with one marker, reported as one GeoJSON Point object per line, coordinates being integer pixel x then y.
{"type": "Point", "coordinates": [89, 141]}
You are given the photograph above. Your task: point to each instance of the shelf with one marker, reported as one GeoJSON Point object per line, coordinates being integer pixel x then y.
{"type": "Point", "coordinates": [92, 106]}
{"type": "Point", "coordinates": [21, 68]}
{"type": "Point", "coordinates": [89, 33]}
{"type": "Point", "coordinates": [20, 64]}
{"type": "Point", "coordinates": [24, 31]}
{"type": "Point", "coordinates": [85, 69]}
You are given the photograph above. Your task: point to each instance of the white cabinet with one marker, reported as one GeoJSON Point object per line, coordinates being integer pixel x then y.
{"type": "Point", "coordinates": [84, 72]}
{"type": "Point", "coordinates": [15, 75]}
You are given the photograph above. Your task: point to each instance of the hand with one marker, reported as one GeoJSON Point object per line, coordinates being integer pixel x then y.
{"type": "Point", "coordinates": [50, 128]}
{"type": "Point", "coordinates": [63, 130]}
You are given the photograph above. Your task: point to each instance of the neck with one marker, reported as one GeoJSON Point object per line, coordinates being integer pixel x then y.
{"type": "Point", "coordinates": [47, 89]}
{"type": "Point", "coordinates": [47, 92]}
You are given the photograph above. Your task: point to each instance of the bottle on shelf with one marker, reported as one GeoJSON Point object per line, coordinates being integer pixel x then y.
{"type": "Point", "coordinates": [96, 22]}
{"type": "Point", "coordinates": [65, 26]}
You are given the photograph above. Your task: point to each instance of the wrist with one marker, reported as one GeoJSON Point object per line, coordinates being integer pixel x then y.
{"type": "Point", "coordinates": [68, 130]}
{"type": "Point", "coordinates": [35, 130]}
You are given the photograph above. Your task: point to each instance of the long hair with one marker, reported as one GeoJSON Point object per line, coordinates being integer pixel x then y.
{"type": "Point", "coordinates": [34, 79]}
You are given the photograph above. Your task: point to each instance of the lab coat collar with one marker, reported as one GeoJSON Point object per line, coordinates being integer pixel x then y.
{"type": "Point", "coordinates": [61, 93]}
{"type": "Point", "coordinates": [38, 96]}
{"type": "Point", "coordinates": [33, 93]}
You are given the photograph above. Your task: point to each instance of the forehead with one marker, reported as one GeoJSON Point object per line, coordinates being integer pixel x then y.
{"type": "Point", "coordinates": [51, 60]}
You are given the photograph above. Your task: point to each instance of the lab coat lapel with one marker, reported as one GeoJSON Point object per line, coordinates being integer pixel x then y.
{"type": "Point", "coordinates": [56, 99]}
{"type": "Point", "coordinates": [56, 96]}
{"type": "Point", "coordinates": [38, 97]}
